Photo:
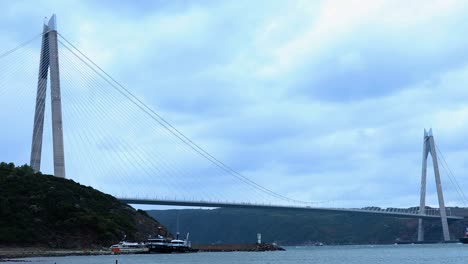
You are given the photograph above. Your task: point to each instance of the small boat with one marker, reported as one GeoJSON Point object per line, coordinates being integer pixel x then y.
{"type": "Point", "coordinates": [464, 239]}
{"type": "Point", "coordinates": [125, 247]}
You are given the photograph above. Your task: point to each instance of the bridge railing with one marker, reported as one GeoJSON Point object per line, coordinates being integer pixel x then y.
{"type": "Point", "coordinates": [219, 203]}
{"type": "Point", "coordinates": [412, 210]}
{"type": "Point", "coordinates": [435, 212]}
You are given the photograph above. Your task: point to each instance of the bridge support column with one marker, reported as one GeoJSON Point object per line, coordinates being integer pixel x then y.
{"type": "Point", "coordinates": [429, 147]}
{"type": "Point", "coordinates": [38, 128]}
{"type": "Point", "coordinates": [49, 59]}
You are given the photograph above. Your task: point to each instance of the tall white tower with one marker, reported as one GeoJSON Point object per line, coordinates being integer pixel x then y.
{"type": "Point", "coordinates": [49, 61]}
{"type": "Point", "coordinates": [429, 147]}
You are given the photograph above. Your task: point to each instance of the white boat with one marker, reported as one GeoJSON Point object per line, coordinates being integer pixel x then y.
{"type": "Point", "coordinates": [129, 248]}
{"type": "Point", "coordinates": [179, 245]}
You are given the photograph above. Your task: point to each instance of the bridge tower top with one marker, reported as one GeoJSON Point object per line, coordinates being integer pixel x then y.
{"type": "Point", "coordinates": [52, 24]}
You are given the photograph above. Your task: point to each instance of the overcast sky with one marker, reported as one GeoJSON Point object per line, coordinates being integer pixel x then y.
{"type": "Point", "coordinates": [317, 100]}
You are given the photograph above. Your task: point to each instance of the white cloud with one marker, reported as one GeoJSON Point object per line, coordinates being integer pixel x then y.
{"type": "Point", "coordinates": [247, 81]}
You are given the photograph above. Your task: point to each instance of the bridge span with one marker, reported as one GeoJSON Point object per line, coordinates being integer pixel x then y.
{"type": "Point", "coordinates": [209, 204]}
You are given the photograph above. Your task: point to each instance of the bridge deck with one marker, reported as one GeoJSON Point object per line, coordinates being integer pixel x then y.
{"type": "Point", "coordinates": [281, 207]}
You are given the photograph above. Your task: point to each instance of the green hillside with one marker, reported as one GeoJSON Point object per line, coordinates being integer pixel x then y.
{"type": "Point", "coordinates": [42, 210]}
{"type": "Point", "coordinates": [296, 228]}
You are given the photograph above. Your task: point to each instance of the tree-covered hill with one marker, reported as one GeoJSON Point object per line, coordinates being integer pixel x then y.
{"type": "Point", "coordinates": [298, 228]}
{"type": "Point", "coordinates": [43, 210]}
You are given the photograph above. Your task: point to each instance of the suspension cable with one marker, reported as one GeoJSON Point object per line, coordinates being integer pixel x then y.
{"type": "Point", "coordinates": [177, 133]}
{"type": "Point", "coordinates": [452, 178]}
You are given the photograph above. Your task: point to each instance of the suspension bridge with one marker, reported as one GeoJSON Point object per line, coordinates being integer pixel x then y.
{"type": "Point", "coordinates": [105, 136]}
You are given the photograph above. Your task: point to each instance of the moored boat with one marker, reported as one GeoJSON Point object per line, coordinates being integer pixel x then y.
{"type": "Point", "coordinates": [158, 244]}
{"type": "Point", "coordinates": [181, 245]}
{"type": "Point", "coordinates": [124, 247]}
{"type": "Point", "coordinates": [464, 239]}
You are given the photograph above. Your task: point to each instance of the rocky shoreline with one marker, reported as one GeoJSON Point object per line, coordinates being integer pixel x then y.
{"type": "Point", "coordinates": [13, 253]}
{"type": "Point", "coordinates": [10, 254]}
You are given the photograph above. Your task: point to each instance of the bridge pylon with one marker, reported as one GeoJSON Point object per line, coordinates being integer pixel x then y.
{"type": "Point", "coordinates": [429, 147]}
{"type": "Point", "coordinates": [49, 61]}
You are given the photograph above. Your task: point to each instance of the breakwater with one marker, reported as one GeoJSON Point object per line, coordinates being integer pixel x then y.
{"type": "Point", "coordinates": [237, 247]}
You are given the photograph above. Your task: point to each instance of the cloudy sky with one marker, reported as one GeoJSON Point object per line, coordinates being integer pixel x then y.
{"type": "Point", "coordinates": [316, 100]}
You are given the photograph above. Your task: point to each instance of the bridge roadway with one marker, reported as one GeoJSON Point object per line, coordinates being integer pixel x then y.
{"type": "Point", "coordinates": [281, 207]}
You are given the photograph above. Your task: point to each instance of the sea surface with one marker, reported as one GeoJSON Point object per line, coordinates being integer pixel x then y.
{"type": "Point", "coordinates": [366, 254]}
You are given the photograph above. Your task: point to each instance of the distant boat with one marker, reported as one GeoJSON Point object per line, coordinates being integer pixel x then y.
{"type": "Point", "coordinates": [464, 239]}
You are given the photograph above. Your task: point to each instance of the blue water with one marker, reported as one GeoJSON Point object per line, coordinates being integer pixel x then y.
{"type": "Point", "coordinates": [400, 254]}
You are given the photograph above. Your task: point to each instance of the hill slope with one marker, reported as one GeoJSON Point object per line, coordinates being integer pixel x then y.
{"type": "Point", "coordinates": [43, 210]}
{"type": "Point", "coordinates": [296, 228]}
